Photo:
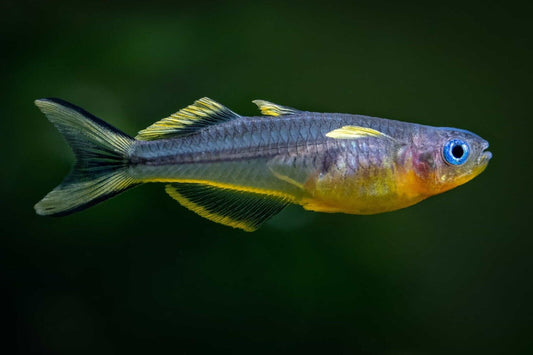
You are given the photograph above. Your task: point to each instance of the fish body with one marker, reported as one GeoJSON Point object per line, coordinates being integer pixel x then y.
{"type": "Point", "coordinates": [239, 171]}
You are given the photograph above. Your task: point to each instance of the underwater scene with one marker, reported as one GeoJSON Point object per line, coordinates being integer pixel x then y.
{"type": "Point", "coordinates": [218, 224]}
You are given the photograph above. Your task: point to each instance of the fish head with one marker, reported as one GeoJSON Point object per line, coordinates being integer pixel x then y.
{"type": "Point", "coordinates": [444, 158]}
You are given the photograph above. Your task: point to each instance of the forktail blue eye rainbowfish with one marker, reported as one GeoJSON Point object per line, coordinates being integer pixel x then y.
{"type": "Point", "coordinates": [240, 171]}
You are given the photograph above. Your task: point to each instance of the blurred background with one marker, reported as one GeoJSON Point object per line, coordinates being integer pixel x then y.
{"type": "Point", "coordinates": [141, 273]}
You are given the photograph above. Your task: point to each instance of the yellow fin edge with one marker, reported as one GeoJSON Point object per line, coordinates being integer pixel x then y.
{"type": "Point", "coordinates": [271, 109]}
{"type": "Point", "coordinates": [354, 132]}
{"type": "Point", "coordinates": [201, 211]}
{"type": "Point", "coordinates": [201, 110]}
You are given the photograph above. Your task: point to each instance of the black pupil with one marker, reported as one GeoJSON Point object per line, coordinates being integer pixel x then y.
{"type": "Point", "coordinates": [457, 151]}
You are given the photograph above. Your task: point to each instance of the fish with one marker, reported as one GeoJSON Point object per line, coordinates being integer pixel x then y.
{"type": "Point", "coordinates": [240, 171]}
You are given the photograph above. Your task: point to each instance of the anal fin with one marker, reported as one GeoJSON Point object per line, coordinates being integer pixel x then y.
{"type": "Point", "coordinates": [234, 208]}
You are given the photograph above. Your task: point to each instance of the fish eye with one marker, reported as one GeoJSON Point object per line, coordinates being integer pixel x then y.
{"type": "Point", "coordinates": [456, 152]}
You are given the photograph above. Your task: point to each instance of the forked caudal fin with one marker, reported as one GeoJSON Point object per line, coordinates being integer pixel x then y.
{"type": "Point", "coordinates": [101, 159]}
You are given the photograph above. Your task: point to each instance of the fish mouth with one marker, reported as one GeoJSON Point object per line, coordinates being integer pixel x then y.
{"type": "Point", "coordinates": [483, 162]}
{"type": "Point", "coordinates": [485, 155]}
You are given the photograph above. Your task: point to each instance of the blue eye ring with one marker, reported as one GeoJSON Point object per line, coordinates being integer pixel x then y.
{"type": "Point", "coordinates": [456, 152]}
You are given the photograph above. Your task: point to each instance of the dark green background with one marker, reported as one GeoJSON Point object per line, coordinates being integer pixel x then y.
{"type": "Point", "coordinates": [139, 272]}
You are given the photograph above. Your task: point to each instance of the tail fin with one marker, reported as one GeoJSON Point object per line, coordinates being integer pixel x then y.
{"type": "Point", "coordinates": [101, 150]}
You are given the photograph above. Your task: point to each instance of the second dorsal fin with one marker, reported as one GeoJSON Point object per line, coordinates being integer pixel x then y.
{"type": "Point", "coordinates": [272, 109]}
{"type": "Point", "coordinates": [201, 113]}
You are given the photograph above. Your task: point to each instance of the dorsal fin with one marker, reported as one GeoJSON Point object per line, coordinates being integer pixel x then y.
{"type": "Point", "coordinates": [354, 132]}
{"type": "Point", "coordinates": [272, 109]}
{"type": "Point", "coordinates": [203, 112]}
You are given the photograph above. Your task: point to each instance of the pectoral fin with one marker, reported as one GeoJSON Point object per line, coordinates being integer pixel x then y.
{"type": "Point", "coordinates": [296, 169]}
{"type": "Point", "coordinates": [290, 169]}
{"type": "Point", "coordinates": [354, 132]}
{"type": "Point", "coordinates": [234, 208]}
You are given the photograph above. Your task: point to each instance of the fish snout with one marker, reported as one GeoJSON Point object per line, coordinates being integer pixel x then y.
{"type": "Point", "coordinates": [485, 155]}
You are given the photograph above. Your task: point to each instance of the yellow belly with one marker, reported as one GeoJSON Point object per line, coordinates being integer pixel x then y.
{"type": "Point", "coordinates": [379, 191]}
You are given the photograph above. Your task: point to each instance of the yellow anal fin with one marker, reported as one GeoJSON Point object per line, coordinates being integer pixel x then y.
{"type": "Point", "coordinates": [272, 109]}
{"type": "Point", "coordinates": [354, 132]}
{"type": "Point", "coordinates": [234, 208]}
{"type": "Point", "coordinates": [203, 112]}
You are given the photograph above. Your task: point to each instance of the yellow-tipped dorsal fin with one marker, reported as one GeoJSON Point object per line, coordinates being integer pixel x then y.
{"type": "Point", "coordinates": [272, 109]}
{"type": "Point", "coordinates": [203, 112]}
{"type": "Point", "coordinates": [354, 132]}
